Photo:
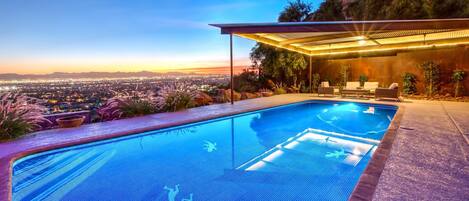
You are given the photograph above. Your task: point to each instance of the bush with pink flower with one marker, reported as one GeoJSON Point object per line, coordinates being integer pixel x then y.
{"type": "Point", "coordinates": [167, 100]}
{"type": "Point", "coordinates": [125, 106]}
{"type": "Point", "coordinates": [19, 115]}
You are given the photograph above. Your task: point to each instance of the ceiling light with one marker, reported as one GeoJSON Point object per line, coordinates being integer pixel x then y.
{"type": "Point", "coordinates": [362, 42]}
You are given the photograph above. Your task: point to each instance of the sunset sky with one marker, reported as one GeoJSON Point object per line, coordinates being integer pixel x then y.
{"type": "Point", "coordinates": [43, 36]}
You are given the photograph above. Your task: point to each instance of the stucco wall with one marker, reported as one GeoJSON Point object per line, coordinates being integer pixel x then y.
{"type": "Point", "coordinates": [390, 69]}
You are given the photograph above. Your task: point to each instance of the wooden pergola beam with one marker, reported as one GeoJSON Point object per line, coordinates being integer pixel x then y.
{"type": "Point", "coordinates": [317, 38]}
{"type": "Point", "coordinates": [274, 43]}
{"type": "Point", "coordinates": [343, 26]}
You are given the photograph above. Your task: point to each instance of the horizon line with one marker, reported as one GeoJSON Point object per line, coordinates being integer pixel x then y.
{"type": "Point", "coordinates": [200, 70]}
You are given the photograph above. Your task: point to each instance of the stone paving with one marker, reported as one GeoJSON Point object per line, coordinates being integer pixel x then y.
{"type": "Point", "coordinates": [428, 160]}
{"type": "Point", "coordinates": [429, 157]}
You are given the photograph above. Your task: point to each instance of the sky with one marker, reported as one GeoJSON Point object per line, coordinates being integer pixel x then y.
{"type": "Point", "coordinates": [44, 36]}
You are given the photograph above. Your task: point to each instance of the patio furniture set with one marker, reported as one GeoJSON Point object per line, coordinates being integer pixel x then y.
{"type": "Point", "coordinates": [354, 89]}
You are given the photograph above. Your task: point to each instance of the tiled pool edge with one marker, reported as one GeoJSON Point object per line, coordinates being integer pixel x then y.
{"type": "Point", "coordinates": [7, 162]}
{"type": "Point", "coordinates": [366, 186]}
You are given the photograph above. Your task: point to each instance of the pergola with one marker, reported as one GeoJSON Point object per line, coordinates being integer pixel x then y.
{"type": "Point", "coordinates": [349, 39]}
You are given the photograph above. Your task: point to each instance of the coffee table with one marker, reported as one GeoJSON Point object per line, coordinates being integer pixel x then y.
{"type": "Point", "coordinates": [354, 92]}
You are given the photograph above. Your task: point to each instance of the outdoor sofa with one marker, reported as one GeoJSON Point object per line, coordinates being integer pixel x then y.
{"type": "Point", "coordinates": [354, 89]}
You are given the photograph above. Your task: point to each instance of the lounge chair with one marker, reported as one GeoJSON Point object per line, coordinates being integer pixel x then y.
{"type": "Point", "coordinates": [325, 89]}
{"type": "Point", "coordinates": [372, 86]}
{"type": "Point", "coordinates": [392, 92]}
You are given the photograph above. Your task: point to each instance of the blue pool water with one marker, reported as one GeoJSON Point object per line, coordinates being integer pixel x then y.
{"type": "Point", "coordinates": [313, 150]}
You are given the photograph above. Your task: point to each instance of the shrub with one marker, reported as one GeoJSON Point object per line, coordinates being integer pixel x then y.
{"type": "Point", "coordinates": [458, 77]}
{"type": "Point", "coordinates": [315, 82]}
{"type": "Point", "coordinates": [246, 82]}
{"type": "Point", "coordinates": [304, 89]}
{"type": "Point", "coordinates": [111, 110]}
{"type": "Point", "coordinates": [432, 76]}
{"type": "Point", "coordinates": [362, 79]}
{"type": "Point", "coordinates": [138, 107]}
{"type": "Point", "coordinates": [19, 115]}
{"type": "Point", "coordinates": [279, 91]}
{"type": "Point", "coordinates": [409, 80]}
{"type": "Point", "coordinates": [120, 107]}
{"type": "Point", "coordinates": [176, 100]}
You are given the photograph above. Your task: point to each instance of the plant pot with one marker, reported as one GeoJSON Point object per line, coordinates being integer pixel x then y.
{"type": "Point", "coordinates": [70, 122]}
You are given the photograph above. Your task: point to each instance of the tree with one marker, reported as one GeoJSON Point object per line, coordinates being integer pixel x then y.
{"type": "Point", "coordinates": [296, 11]}
{"type": "Point", "coordinates": [282, 66]}
{"type": "Point", "coordinates": [292, 64]}
{"type": "Point", "coordinates": [406, 9]}
{"type": "Point", "coordinates": [431, 74]}
{"type": "Point", "coordinates": [403, 9]}
{"type": "Point", "coordinates": [458, 77]}
{"type": "Point", "coordinates": [329, 10]}
{"type": "Point", "coordinates": [366, 10]}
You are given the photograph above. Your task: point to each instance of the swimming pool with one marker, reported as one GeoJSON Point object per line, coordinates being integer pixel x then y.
{"type": "Point", "coordinates": [313, 150]}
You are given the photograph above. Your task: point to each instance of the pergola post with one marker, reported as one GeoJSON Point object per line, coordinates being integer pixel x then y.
{"type": "Point", "coordinates": [231, 69]}
{"type": "Point", "coordinates": [310, 74]}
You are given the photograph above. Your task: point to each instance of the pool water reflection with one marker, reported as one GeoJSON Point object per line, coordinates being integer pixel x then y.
{"type": "Point", "coordinates": [306, 151]}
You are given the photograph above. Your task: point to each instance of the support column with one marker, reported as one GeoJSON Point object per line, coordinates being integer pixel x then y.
{"type": "Point", "coordinates": [231, 69]}
{"type": "Point", "coordinates": [310, 74]}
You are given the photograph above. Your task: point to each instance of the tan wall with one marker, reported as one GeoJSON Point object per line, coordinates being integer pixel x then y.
{"type": "Point", "coordinates": [390, 69]}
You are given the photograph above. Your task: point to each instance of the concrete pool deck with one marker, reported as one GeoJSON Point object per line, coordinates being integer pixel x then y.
{"type": "Point", "coordinates": [428, 161]}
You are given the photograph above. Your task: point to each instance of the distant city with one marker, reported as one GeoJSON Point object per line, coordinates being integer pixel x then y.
{"type": "Point", "coordinates": [72, 92]}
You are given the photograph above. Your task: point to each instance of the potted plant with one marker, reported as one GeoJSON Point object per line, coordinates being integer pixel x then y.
{"type": "Point", "coordinates": [458, 77]}
{"type": "Point", "coordinates": [363, 79]}
{"type": "Point", "coordinates": [70, 121]}
{"type": "Point", "coordinates": [409, 80]}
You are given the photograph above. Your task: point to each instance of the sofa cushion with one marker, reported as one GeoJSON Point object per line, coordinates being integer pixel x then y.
{"type": "Point", "coordinates": [352, 85]}
{"type": "Point", "coordinates": [371, 85]}
{"type": "Point", "coordinates": [393, 86]}
{"type": "Point", "coordinates": [324, 84]}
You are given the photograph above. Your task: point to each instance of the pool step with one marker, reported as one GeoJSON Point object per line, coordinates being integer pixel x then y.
{"type": "Point", "coordinates": [310, 151]}
{"type": "Point", "coordinates": [55, 181]}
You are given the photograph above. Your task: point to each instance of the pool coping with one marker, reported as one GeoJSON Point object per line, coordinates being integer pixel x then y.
{"type": "Point", "coordinates": [366, 185]}
{"type": "Point", "coordinates": [364, 189]}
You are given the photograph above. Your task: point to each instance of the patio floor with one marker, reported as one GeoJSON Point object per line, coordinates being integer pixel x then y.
{"type": "Point", "coordinates": [428, 161]}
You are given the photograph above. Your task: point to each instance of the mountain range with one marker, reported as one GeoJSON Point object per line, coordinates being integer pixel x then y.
{"type": "Point", "coordinates": [91, 75]}
{"type": "Point", "coordinates": [97, 75]}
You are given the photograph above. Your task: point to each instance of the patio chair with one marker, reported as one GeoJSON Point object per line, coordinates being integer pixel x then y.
{"type": "Point", "coordinates": [325, 89]}
{"type": "Point", "coordinates": [388, 93]}
{"type": "Point", "coordinates": [372, 86]}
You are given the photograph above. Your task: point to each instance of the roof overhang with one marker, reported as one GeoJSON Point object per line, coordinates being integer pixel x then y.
{"type": "Point", "coordinates": [355, 38]}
